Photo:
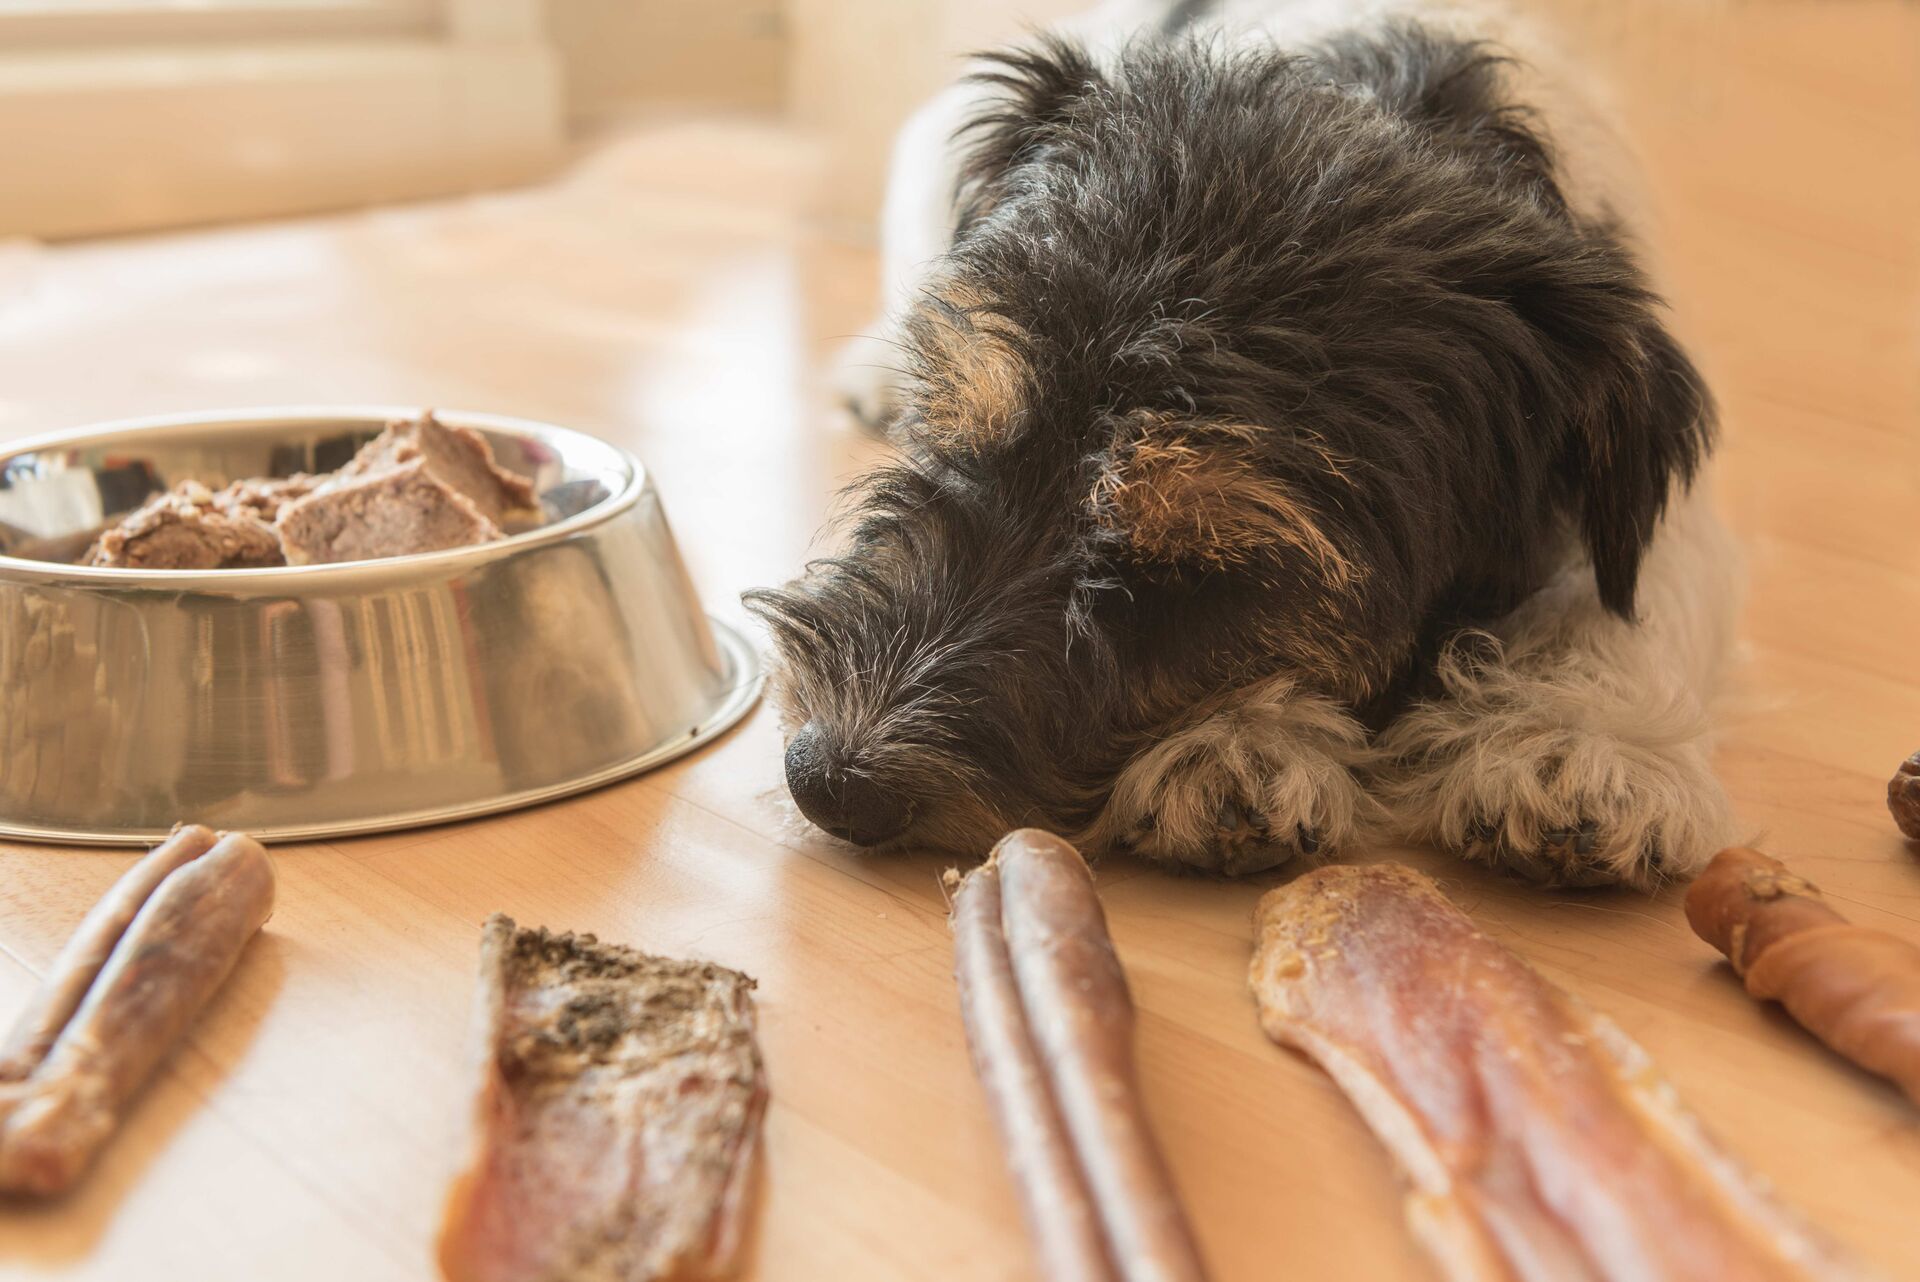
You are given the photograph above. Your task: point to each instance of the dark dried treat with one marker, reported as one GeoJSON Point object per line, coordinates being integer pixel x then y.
{"type": "Point", "coordinates": [188, 528]}
{"type": "Point", "coordinates": [617, 1116]}
{"type": "Point", "coordinates": [1903, 797]}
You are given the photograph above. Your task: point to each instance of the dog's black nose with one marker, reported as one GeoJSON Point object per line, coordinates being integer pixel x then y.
{"type": "Point", "coordinates": [847, 805]}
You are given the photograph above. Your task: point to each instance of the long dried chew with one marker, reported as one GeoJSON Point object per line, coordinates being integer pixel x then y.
{"type": "Point", "coordinates": [1539, 1141]}
{"type": "Point", "coordinates": [1079, 1017]}
{"type": "Point", "coordinates": [1059, 1208]}
{"type": "Point", "coordinates": [1855, 988]}
{"type": "Point", "coordinates": [74, 970]}
{"type": "Point", "coordinates": [159, 973]}
{"type": "Point", "coordinates": [616, 1120]}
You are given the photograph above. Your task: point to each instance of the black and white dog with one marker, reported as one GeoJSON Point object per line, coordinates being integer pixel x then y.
{"type": "Point", "coordinates": [1290, 447]}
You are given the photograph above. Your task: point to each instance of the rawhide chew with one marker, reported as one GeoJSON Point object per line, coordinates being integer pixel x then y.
{"type": "Point", "coordinates": [1050, 1024]}
{"type": "Point", "coordinates": [1855, 988]}
{"type": "Point", "coordinates": [120, 996]}
{"type": "Point", "coordinates": [616, 1118]}
{"type": "Point", "coordinates": [1537, 1139]}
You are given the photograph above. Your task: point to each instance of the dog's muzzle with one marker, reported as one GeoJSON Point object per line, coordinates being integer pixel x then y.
{"type": "Point", "coordinates": [850, 806]}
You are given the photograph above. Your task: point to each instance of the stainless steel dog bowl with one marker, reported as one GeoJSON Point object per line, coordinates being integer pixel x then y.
{"type": "Point", "coordinates": [324, 700]}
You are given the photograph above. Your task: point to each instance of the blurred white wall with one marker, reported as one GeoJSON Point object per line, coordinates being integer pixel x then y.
{"type": "Point", "coordinates": [209, 112]}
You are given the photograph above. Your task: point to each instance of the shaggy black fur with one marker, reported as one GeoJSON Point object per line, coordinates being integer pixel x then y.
{"type": "Point", "coordinates": [1351, 267]}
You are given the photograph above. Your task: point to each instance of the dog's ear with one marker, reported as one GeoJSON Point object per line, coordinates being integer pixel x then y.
{"type": "Point", "coordinates": [1038, 89]}
{"type": "Point", "coordinates": [1648, 434]}
{"type": "Point", "coordinates": [1192, 495]}
{"type": "Point", "coordinates": [1640, 415]}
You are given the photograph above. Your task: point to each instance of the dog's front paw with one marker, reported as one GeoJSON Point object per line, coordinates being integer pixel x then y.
{"type": "Point", "coordinates": [867, 381]}
{"type": "Point", "coordinates": [1562, 807]}
{"type": "Point", "coordinates": [1243, 791]}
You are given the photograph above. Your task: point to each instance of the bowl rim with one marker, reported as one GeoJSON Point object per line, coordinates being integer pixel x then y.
{"type": "Point", "coordinates": [253, 418]}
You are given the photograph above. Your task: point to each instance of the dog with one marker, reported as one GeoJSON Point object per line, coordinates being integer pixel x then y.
{"type": "Point", "coordinates": [1291, 450]}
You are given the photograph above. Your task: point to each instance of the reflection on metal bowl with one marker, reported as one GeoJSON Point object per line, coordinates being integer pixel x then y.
{"type": "Point", "coordinates": [324, 700]}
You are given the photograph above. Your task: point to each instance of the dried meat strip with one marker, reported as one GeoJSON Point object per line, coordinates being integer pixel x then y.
{"type": "Point", "coordinates": [617, 1116]}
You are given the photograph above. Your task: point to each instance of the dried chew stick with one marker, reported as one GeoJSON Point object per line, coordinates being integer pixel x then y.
{"type": "Point", "coordinates": [1059, 1208]}
{"type": "Point", "coordinates": [1079, 1016]}
{"type": "Point", "coordinates": [92, 942]}
{"type": "Point", "coordinates": [1538, 1140]}
{"type": "Point", "coordinates": [158, 974]}
{"type": "Point", "coordinates": [616, 1116]}
{"type": "Point", "coordinates": [1855, 988]}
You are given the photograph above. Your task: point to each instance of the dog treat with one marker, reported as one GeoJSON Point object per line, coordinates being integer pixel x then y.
{"type": "Point", "coordinates": [1059, 1207]}
{"type": "Point", "coordinates": [188, 528]}
{"type": "Point", "coordinates": [1050, 1024]}
{"type": "Point", "coordinates": [1539, 1141]}
{"type": "Point", "coordinates": [120, 996]}
{"type": "Point", "coordinates": [1903, 796]}
{"type": "Point", "coordinates": [1855, 988]}
{"type": "Point", "coordinates": [616, 1119]}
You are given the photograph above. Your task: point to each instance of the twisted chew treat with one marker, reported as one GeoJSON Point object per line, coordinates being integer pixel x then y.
{"type": "Point", "coordinates": [1855, 988]}
{"type": "Point", "coordinates": [120, 995]}
{"type": "Point", "coordinates": [1539, 1141]}
{"type": "Point", "coordinates": [1050, 1024]}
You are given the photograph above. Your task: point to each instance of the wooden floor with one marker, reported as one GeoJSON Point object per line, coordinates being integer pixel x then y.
{"type": "Point", "coordinates": [669, 294]}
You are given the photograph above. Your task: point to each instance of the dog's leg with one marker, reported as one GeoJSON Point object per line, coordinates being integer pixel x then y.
{"type": "Point", "coordinates": [916, 228]}
{"type": "Point", "coordinates": [1250, 786]}
{"type": "Point", "coordinates": [1574, 748]}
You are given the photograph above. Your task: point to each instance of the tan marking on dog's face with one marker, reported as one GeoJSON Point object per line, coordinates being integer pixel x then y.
{"type": "Point", "coordinates": [1194, 494]}
{"type": "Point", "coordinates": [973, 379]}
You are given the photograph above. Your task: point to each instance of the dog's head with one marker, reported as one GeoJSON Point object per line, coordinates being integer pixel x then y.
{"type": "Point", "coordinates": [1241, 365]}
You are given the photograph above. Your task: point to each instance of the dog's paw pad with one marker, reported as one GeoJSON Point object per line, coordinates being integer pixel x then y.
{"type": "Point", "coordinates": [1246, 841]}
{"type": "Point", "coordinates": [1575, 856]}
{"type": "Point", "coordinates": [1557, 805]}
{"type": "Point", "coordinates": [1242, 839]}
{"type": "Point", "coordinates": [1244, 790]}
